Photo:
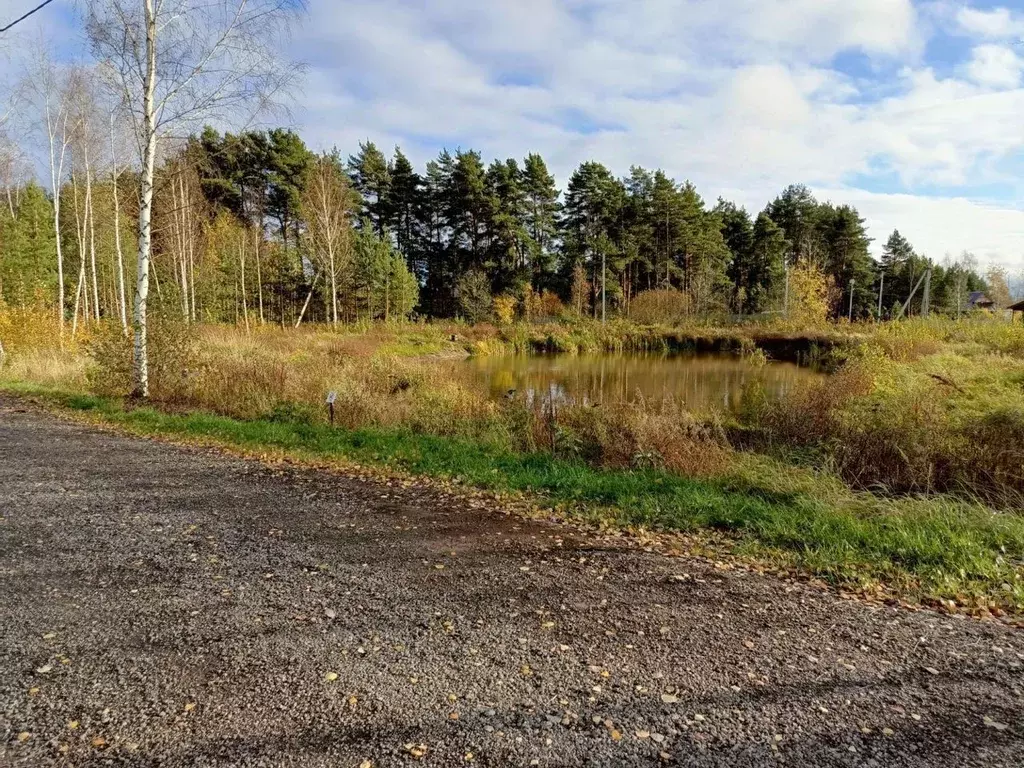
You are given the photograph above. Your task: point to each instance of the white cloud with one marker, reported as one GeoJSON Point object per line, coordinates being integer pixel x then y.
{"type": "Point", "coordinates": [942, 226]}
{"type": "Point", "coordinates": [996, 66]}
{"type": "Point", "coordinates": [993, 24]}
{"type": "Point", "coordinates": [740, 96]}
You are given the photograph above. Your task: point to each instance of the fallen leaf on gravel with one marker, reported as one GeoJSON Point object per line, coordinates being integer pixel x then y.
{"type": "Point", "coordinates": [99, 741]}
{"type": "Point", "coordinates": [888, 731]}
{"type": "Point", "coordinates": [665, 756]}
{"type": "Point", "coordinates": [643, 734]}
{"type": "Point", "coordinates": [453, 715]}
{"type": "Point", "coordinates": [669, 698]}
{"type": "Point", "coordinates": [33, 691]}
{"type": "Point", "coordinates": [416, 750]}
{"type": "Point", "coordinates": [469, 757]}
{"type": "Point", "coordinates": [49, 636]}
{"type": "Point", "coordinates": [366, 764]}
{"type": "Point", "coordinates": [24, 736]}
{"type": "Point", "coordinates": [190, 706]}
{"type": "Point", "coordinates": [352, 701]}
{"type": "Point", "coordinates": [45, 669]}
{"type": "Point", "coordinates": [330, 677]}
{"type": "Point", "coordinates": [994, 724]}
{"type": "Point", "coordinates": [73, 724]}
{"type": "Point", "coordinates": [748, 643]}
{"type": "Point", "coordinates": [616, 736]}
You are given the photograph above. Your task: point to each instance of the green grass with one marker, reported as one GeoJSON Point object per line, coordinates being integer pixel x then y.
{"type": "Point", "coordinates": [923, 548]}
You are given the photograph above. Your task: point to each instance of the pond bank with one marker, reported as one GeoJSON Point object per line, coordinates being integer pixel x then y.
{"type": "Point", "coordinates": [803, 348]}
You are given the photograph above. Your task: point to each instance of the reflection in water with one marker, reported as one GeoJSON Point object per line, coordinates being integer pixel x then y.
{"type": "Point", "coordinates": [700, 382]}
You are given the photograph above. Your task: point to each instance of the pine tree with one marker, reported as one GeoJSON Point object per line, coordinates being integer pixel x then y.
{"type": "Point", "coordinates": [738, 234]}
{"type": "Point", "coordinates": [27, 245]}
{"type": "Point", "coordinates": [403, 211]}
{"type": "Point", "coordinates": [767, 266]}
{"type": "Point", "coordinates": [540, 219]}
{"type": "Point", "coordinates": [847, 258]}
{"type": "Point", "coordinates": [797, 212]}
{"type": "Point", "coordinates": [509, 249]}
{"type": "Point", "coordinates": [289, 162]}
{"type": "Point", "coordinates": [371, 178]}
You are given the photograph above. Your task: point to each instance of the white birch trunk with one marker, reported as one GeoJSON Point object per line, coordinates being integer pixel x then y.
{"type": "Point", "coordinates": [141, 367]}
{"type": "Point", "coordinates": [245, 302]}
{"type": "Point", "coordinates": [121, 302]}
{"type": "Point", "coordinates": [56, 174]}
{"type": "Point", "coordinates": [92, 234]}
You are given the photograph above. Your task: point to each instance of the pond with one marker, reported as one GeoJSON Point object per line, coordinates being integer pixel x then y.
{"type": "Point", "coordinates": [701, 382]}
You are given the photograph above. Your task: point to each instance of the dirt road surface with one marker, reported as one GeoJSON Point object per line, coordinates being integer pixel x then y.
{"type": "Point", "coordinates": [162, 606]}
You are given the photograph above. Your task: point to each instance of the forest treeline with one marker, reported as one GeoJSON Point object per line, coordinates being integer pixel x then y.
{"type": "Point", "coordinates": [256, 227]}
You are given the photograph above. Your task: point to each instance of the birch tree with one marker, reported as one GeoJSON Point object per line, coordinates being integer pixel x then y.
{"type": "Point", "coordinates": [122, 306]}
{"type": "Point", "coordinates": [51, 89]}
{"type": "Point", "coordinates": [177, 64]}
{"type": "Point", "coordinates": [327, 206]}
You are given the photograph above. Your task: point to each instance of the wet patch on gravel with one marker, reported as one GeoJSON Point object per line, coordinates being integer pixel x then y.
{"type": "Point", "coordinates": [176, 607]}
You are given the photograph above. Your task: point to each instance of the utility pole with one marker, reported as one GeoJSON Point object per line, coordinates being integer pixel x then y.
{"type": "Point", "coordinates": [604, 294]}
{"type": "Point", "coordinates": [852, 283]}
{"type": "Point", "coordinates": [881, 290]}
{"type": "Point", "coordinates": [927, 300]}
{"type": "Point", "coordinates": [785, 299]}
{"type": "Point", "coordinates": [906, 304]}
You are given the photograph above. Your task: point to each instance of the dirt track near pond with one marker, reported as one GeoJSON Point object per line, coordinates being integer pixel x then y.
{"type": "Point", "coordinates": [162, 606]}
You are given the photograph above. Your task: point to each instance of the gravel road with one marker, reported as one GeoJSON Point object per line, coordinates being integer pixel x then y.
{"type": "Point", "coordinates": [163, 606]}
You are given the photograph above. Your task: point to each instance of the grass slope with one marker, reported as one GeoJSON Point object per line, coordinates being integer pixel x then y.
{"type": "Point", "coordinates": [932, 549]}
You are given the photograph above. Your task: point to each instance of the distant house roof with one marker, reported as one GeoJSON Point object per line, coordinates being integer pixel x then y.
{"type": "Point", "coordinates": [978, 300]}
{"type": "Point", "coordinates": [1018, 307]}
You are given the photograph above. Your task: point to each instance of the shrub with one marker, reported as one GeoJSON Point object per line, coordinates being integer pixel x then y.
{"type": "Point", "coordinates": [33, 327]}
{"type": "Point", "coordinates": [172, 353]}
{"type": "Point", "coordinates": [942, 423]}
{"type": "Point", "coordinates": [811, 296]}
{"type": "Point", "coordinates": [661, 306]}
{"type": "Point", "coordinates": [505, 309]}
{"type": "Point", "coordinates": [542, 306]}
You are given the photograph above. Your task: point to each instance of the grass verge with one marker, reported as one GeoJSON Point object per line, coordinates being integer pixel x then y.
{"type": "Point", "coordinates": [935, 550]}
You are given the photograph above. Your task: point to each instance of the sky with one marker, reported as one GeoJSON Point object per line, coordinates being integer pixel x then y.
{"type": "Point", "coordinates": [911, 110]}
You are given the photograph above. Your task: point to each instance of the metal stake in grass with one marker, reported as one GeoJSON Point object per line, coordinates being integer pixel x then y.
{"type": "Point", "coordinates": [331, 397]}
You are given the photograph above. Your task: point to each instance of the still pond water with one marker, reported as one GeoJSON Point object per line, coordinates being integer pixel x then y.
{"type": "Point", "coordinates": [698, 381]}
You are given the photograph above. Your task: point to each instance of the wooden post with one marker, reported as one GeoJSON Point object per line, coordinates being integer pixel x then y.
{"type": "Point", "coordinates": [331, 397]}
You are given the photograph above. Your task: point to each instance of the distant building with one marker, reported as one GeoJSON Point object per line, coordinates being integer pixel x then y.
{"type": "Point", "coordinates": [1017, 307]}
{"type": "Point", "coordinates": [978, 300]}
